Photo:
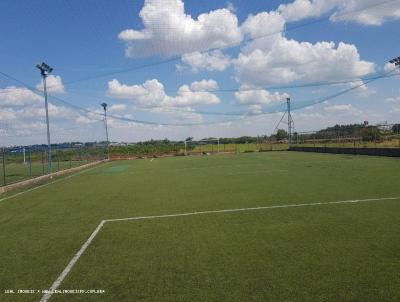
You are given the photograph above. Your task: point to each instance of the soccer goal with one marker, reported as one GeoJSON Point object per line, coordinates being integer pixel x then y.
{"type": "Point", "coordinates": [204, 146]}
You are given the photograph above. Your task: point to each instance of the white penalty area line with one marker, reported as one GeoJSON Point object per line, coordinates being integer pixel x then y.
{"type": "Point", "coordinates": [47, 184]}
{"type": "Point", "coordinates": [76, 257]}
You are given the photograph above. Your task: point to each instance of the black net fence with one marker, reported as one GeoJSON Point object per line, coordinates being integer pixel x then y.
{"type": "Point", "coordinates": [21, 163]}
{"type": "Point", "coordinates": [351, 136]}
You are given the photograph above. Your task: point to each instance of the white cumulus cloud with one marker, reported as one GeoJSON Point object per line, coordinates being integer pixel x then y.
{"type": "Point", "coordinates": [117, 108]}
{"type": "Point", "coordinates": [168, 30]}
{"type": "Point", "coordinates": [367, 12]}
{"type": "Point", "coordinates": [18, 96]}
{"type": "Point", "coordinates": [248, 96]}
{"type": "Point", "coordinates": [204, 85]}
{"type": "Point", "coordinates": [211, 61]}
{"type": "Point", "coordinates": [281, 60]}
{"type": "Point", "coordinates": [54, 84]}
{"type": "Point", "coordinates": [152, 94]}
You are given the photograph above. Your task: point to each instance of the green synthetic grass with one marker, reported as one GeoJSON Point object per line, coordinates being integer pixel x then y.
{"type": "Point", "coordinates": [340, 252]}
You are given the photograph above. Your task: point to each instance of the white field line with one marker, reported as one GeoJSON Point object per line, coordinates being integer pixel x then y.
{"type": "Point", "coordinates": [257, 172]}
{"type": "Point", "coordinates": [253, 209]}
{"type": "Point", "coordinates": [47, 184]}
{"type": "Point", "coordinates": [67, 269]}
{"type": "Point", "coordinates": [70, 265]}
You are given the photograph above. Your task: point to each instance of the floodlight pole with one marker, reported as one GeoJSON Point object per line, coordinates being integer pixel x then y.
{"type": "Point", "coordinates": [396, 62]}
{"type": "Point", "coordinates": [104, 105]}
{"type": "Point", "coordinates": [44, 72]}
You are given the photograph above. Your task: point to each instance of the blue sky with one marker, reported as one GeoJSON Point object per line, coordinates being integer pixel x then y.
{"type": "Point", "coordinates": [84, 40]}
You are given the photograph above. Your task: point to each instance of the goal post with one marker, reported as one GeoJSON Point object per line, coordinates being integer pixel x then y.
{"type": "Point", "coordinates": [203, 146]}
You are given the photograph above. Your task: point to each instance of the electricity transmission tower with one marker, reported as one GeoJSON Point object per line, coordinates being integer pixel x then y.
{"type": "Point", "coordinates": [44, 71]}
{"type": "Point", "coordinates": [290, 122]}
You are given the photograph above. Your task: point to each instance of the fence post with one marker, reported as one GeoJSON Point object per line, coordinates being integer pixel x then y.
{"type": "Point", "coordinates": [398, 134]}
{"type": "Point", "coordinates": [42, 162]}
{"type": "Point", "coordinates": [4, 166]}
{"type": "Point", "coordinates": [30, 163]}
{"type": "Point", "coordinates": [58, 160]}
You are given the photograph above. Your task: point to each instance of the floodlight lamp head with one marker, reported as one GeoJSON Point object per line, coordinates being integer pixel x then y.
{"type": "Point", "coordinates": [395, 61]}
{"type": "Point", "coordinates": [104, 105]}
{"type": "Point", "coordinates": [44, 69]}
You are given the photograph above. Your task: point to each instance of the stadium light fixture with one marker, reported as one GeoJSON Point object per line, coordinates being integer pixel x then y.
{"type": "Point", "coordinates": [395, 61]}
{"type": "Point", "coordinates": [104, 105]}
{"type": "Point", "coordinates": [45, 70]}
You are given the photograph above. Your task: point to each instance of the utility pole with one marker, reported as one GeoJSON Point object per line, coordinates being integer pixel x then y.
{"type": "Point", "coordinates": [290, 122]}
{"type": "Point", "coordinates": [104, 105]}
{"type": "Point", "coordinates": [44, 71]}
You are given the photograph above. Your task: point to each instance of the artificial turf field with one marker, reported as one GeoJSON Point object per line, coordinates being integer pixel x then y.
{"type": "Point", "coordinates": [303, 252]}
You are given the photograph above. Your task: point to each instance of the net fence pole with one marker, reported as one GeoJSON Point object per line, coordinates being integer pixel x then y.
{"type": "Point", "coordinates": [30, 162]}
{"type": "Point", "coordinates": [58, 159]}
{"type": "Point", "coordinates": [42, 162]}
{"type": "Point", "coordinates": [398, 133]}
{"type": "Point", "coordinates": [4, 166]}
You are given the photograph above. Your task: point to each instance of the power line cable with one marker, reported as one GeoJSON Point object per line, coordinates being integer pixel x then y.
{"type": "Point", "coordinates": [272, 87]}
{"type": "Point", "coordinates": [241, 115]}
{"type": "Point", "coordinates": [246, 115]}
{"type": "Point", "coordinates": [247, 40]}
{"type": "Point", "coordinates": [174, 109]}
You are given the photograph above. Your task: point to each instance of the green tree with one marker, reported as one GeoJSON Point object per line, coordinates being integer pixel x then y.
{"type": "Point", "coordinates": [370, 134]}
{"type": "Point", "coordinates": [281, 135]}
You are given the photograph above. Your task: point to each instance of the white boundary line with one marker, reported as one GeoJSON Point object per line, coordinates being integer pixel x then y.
{"type": "Point", "coordinates": [75, 259]}
{"type": "Point", "coordinates": [67, 269]}
{"type": "Point", "coordinates": [47, 184]}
